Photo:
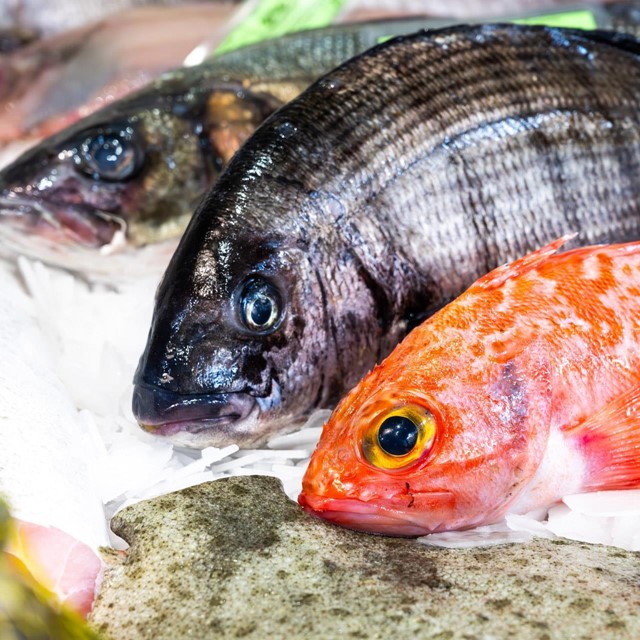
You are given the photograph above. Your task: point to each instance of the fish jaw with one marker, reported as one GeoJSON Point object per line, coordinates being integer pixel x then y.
{"type": "Point", "coordinates": [45, 200]}
{"type": "Point", "coordinates": [202, 420]}
{"type": "Point", "coordinates": [59, 225]}
{"type": "Point", "coordinates": [380, 518]}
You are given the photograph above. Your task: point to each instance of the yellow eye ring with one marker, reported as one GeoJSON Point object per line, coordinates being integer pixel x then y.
{"type": "Point", "coordinates": [399, 437]}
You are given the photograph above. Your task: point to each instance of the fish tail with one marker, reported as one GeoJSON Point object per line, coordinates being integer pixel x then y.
{"type": "Point", "coordinates": [610, 442]}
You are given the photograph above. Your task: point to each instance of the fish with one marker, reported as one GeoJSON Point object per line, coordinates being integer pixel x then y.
{"type": "Point", "coordinates": [60, 79]}
{"type": "Point", "coordinates": [55, 81]}
{"type": "Point", "coordinates": [129, 176]}
{"type": "Point", "coordinates": [59, 205]}
{"type": "Point", "coordinates": [370, 201]}
{"type": "Point", "coordinates": [521, 391]}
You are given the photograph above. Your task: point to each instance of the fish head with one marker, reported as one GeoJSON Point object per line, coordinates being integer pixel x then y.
{"type": "Point", "coordinates": [237, 335]}
{"type": "Point", "coordinates": [434, 439]}
{"type": "Point", "coordinates": [129, 175]}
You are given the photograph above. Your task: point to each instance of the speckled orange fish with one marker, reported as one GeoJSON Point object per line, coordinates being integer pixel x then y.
{"type": "Point", "coordinates": [523, 390]}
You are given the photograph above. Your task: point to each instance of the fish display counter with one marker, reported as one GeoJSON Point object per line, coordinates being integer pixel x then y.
{"type": "Point", "coordinates": [391, 264]}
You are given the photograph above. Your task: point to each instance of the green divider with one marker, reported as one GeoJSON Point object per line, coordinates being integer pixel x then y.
{"type": "Point", "coordinates": [569, 20]}
{"type": "Point", "coordinates": [273, 18]}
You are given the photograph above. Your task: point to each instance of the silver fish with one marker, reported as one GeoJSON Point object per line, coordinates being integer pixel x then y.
{"type": "Point", "coordinates": [129, 176]}
{"type": "Point", "coordinates": [372, 199]}
{"type": "Point", "coordinates": [49, 84]}
{"type": "Point", "coordinates": [110, 195]}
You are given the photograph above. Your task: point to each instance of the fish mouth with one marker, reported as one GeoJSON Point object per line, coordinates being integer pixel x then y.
{"type": "Point", "coordinates": [62, 223]}
{"type": "Point", "coordinates": [370, 518]}
{"type": "Point", "coordinates": [196, 421]}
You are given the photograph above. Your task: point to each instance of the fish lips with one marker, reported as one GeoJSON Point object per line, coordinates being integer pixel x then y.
{"type": "Point", "coordinates": [369, 517]}
{"type": "Point", "coordinates": [65, 223]}
{"type": "Point", "coordinates": [195, 421]}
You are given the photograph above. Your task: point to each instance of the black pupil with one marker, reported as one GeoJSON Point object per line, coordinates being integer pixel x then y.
{"type": "Point", "coordinates": [108, 156]}
{"type": "Point", "coordinates": [108, 152]}
{"type": "Point", "coordinates": [261, 310]}
{"type": "Point", "coordinates": [259, 305]}
{"type": "Point", "coordinates": [397, 435]}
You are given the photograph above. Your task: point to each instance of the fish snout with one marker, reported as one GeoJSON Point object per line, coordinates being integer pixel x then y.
{"type": "Point", "coordinates": [363, 516]}
{"type": "Point", "coordinates": [198, 420]}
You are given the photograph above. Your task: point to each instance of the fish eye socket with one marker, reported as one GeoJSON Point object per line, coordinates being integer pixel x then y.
{"type": "Point", "coordinates": [399, 437]}
{"type": "Point", "coordinates": [260, 306]}
{"type": "Point", "coordinates": [112, 157]}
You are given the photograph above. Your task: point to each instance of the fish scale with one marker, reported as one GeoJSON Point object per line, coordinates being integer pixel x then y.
{"type": "Point", "coordinates": [179, 131]}
{"type": "Point", "coordinates": [375, 197]}
{"type": "Point", "coordinates": [529, 381]}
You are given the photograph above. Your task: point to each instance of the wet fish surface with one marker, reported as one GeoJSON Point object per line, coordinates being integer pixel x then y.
{"type": "Point", "coordinates": [371, 200]}
{"type": "Point", "coordinates": [132, 173]}
{"type": "Point", "coordinates": [520, 392]}
{"type": "Point", "coordinates": [120, 187]}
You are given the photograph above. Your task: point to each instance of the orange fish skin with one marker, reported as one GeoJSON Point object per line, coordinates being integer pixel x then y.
{"type": "Point", "coordinates": [532, 381]}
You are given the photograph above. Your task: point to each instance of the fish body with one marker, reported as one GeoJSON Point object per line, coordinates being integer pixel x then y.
{"type": "Point", "coordinates": [49, 18]}
{"type": "Point", "coordinates": [371, 200]}
{"type": "Point", "coordinates": [132, 173]}
{"type": "Point", "coordinates": [521, 391]}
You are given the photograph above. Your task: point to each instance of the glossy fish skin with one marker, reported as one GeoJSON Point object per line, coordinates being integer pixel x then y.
{"type": "Point", "coordinates": [181, 131]}
{"type": "Point", "coordinates": [173, 137]}
{"type": "Point", "coordinates": [373, 199]}
{"type": "Point", "coordinates": [531, 377]}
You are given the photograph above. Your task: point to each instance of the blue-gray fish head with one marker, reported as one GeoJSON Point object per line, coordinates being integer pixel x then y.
{"type": "Point", "coordinates": [238, 342]}
{"type": "Point", "coordinates": [263, 314]}
{"type": "Point", "coordinates": [126, 176]}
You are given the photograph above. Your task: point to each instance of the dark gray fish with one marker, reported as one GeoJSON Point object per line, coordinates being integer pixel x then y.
{"type": "Point", "coordinates": [111, 194]}
{"type": "Point", "coordinates": [132, 173]}
{"type": "Point", "coordinates": [400, 177]}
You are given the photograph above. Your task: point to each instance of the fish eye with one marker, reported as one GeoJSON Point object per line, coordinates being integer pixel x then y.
{"type": "Point", "coordinates": [109, 156]}
{"type": "Point", "coordinates": [400, 437]}
{"type": "Point", "coordinates": [260, 305]}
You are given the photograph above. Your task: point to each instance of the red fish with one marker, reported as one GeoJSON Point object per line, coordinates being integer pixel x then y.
{"type": "Point", "coordinates": [523, 390]}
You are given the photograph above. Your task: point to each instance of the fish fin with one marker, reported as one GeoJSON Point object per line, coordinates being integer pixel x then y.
{"type": "Point", "coordinates": [610, 440]}
{"type": "Point", "coordinates": [499, 276]}
{"type": "Point", "coordinates": [623, 41]}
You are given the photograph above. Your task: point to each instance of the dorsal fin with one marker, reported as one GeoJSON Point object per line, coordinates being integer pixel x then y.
{"type": "Point", "coordinates": [500, 275]}
{"type": "Point", "coordinates": [610, 440]}
{"type": "Point", "coordinates": [622, 41]}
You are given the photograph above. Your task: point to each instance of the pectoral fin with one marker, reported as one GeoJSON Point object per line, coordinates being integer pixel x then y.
{"type": "Point", "coordinates": [610, 440]}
